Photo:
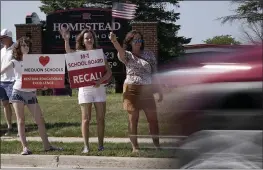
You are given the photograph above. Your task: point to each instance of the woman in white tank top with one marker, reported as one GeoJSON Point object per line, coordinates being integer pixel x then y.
{"type": "Point", "coordinates": [21, 97]}
{"type": "Point", "coordinates": [86, 40]}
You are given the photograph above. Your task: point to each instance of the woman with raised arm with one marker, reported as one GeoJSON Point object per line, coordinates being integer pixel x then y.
{"type": "Point", "coordinates": [138, 86]}
{"type": "Point", "coordinates": [21, 97]}
{"type": "Point", "coordinates": [85, 41]}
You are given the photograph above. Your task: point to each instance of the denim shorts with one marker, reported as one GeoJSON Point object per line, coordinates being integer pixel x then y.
{"type": "Point", "coordinates": [6, 89]}
{"type": "Point", "coordinates": [24, 97]}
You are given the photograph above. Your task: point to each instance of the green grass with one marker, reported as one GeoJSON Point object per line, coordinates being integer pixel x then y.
{"type": "Point", "coordinates": [111, 149]}
{"type": "Point", "coordinates": [63, 118]}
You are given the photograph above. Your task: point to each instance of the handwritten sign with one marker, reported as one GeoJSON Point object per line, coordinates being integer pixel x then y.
{"type": "Point", "coordinates": [43, 70]}
{"type": "Point", "coordinates": [85, 67]}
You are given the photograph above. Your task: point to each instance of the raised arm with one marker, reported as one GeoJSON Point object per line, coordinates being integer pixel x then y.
{"type": "Point", "coordinates": [118, 47]}
{"type": "Point", "coordinates": [67, 47]}
{"type": "Point", "coordinates": [6, 67]}
{"type": "Point", "coordinates": [65, 35]}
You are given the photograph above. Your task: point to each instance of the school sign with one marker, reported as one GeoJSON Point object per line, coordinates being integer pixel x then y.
{"type": "Point", "coordinates": [76, 20]}
{"type": "Point", "coordinates": [46, 38]}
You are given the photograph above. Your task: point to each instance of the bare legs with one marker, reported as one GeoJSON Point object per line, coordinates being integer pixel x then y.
{"type": "Point", "coordinates": [36, 111]}
{"type": "Point", "coordinates": [86, 115]}
{"type": "Point", "coordinates": [100, 116]}
{"type": "Point", "coordinates": [20, 116]}
{"type": "Point", "coordinates": [8, 113]}
{"type": "Point", "coordinates": [151, 116]}
{"type": "Point", "coordinates": [133, 126]}
{"type": "Point", "coordinates": [100, 108]}
{"type": "Point", "coordinates": [37, 114]}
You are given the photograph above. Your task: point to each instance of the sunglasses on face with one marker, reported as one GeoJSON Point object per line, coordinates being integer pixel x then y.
{"type": "Point", "coordinates": [137, 41]}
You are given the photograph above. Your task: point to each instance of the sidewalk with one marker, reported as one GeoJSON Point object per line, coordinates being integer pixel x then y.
{"type": "Point", "coordinates": [80, 162]}
{"type": "Point", "coordinates": [93, 139]}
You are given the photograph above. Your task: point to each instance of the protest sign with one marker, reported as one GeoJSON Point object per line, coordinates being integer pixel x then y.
{"type": "Point", "coordinates": [43, 70]}
{"type": "Point", "coordinates": [85, 67]}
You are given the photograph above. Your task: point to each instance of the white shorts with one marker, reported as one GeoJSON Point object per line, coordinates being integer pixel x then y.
{"type": "Point", "coordinates": [91, 94]}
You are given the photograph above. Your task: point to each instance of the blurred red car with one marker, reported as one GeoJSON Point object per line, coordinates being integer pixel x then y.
{"type": "Point", "coordinates": [223, 93]}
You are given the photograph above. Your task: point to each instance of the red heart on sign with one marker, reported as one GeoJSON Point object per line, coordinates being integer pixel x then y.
{"type": "Point", "coordinates": [44, 60]}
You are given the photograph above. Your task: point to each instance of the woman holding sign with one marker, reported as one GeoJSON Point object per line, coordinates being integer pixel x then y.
{"type": "Point", "coordinates": [96, 94]}
{"type": "Point", "coordinates": [138, 89]}
{"type": "Point", "coordinates": [21, 97]}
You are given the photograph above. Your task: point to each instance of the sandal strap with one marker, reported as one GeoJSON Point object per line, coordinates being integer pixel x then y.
{"type": "Point", "coordinates": [52, 148]}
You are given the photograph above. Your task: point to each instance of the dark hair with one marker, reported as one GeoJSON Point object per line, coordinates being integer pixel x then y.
{"type": "Point", "coordinates": [80, 38]}
{"type": "Point", "coordinates": [128, 39]}
{"type": "Point", "coordinates": [17, 53]}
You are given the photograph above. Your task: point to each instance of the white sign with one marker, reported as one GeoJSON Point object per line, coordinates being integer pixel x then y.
{"type": "Point", "coordinates": [85, 67]}
{"type": "Point", "coordinates": [43, 70]}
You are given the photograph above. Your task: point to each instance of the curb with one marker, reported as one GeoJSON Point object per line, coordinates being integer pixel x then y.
{"type": "Point", "coordinates": [79, 162]}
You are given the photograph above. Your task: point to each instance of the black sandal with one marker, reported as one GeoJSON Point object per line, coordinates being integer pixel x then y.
{"type": "Point", "coordinates": [53, 148]}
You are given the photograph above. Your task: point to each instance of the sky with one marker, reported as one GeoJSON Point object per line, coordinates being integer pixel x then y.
{"type": "Point", "coordinates": [197, 18]}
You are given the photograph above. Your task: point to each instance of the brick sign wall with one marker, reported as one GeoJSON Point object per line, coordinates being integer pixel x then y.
{"type": "Point", "coordinates": [148, 29]}
{"type": "Point", "coordinates": [35, 32]}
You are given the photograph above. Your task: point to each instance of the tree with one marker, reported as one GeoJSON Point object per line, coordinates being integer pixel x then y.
{"type": "Point", "coordinates": [248, 11]}
{"type": "Point", "coordinates": [170, 45]}
{"type": "Point", "coordinates": [252, 32]}
{"type": "Point", "coordinates": [222, 40]}
{"type": "Point", "coordinates": [251, 15]}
